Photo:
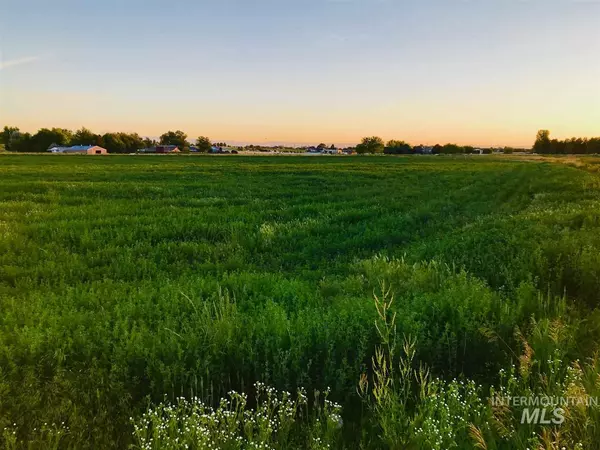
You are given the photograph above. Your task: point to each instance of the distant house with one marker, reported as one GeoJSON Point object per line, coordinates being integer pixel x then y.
{"type": "Point", "coordinates": [80, 149]}
{"type": "Point", "coordinates": [167, 149]}
{"type": "Point", "coordinates": [427, 150]}
{"type": "Point", "coordinates": [332, 151]}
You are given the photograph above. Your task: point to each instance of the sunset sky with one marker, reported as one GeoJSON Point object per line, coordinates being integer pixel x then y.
{"type": "Point", "coordinates": [479, 72]}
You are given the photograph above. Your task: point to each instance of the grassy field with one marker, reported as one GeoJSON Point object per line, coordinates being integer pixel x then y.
{"type": "Point", "coordinates": [128, 281]}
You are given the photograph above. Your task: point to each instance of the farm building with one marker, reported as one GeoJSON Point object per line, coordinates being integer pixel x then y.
{"type": "Point", "coordinates": [167, 149]}
{"type": "Point", "coordinates": [80, 149]}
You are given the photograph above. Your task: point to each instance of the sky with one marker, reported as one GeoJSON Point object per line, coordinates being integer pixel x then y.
{"type": "Point", "coordinates": [479, 72]}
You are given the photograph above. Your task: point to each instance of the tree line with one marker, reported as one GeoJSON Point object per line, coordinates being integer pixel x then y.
{"type": "Point", "coordinates": [543, 144]}
{"type": "Point", "coordinates": [374, 144]}
{"type": "Point", "coordinates": [573, 146]}
{"type": "Point", "coordinates": [16, 141]}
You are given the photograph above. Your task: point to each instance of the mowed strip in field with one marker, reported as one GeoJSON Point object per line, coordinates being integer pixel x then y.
{"type": "Point", "coordinates": [126, 278]}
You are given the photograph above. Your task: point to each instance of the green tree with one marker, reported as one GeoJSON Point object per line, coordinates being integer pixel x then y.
{"type": "Point", "coordinates": [8, 136]}
{"type": "Point", "coordinates": [394, 147]}
{"type": "Point", "coordinates": [452, 149]}
{"type": "Point", "coordinates": [21, 142]}
{"type": "Point", "coordinates": [46, 138]}
{"type": "Point", "coordinates": [133, 142]}
{"type": "Point", "coordinates": [542, 142]}
{"type": "Point", "coordinates": [576, 146]}
{"type": "Point", "coordinates": [593, 146]}
{"type": "Point", "coordinates": [178, 138]}
{"type": "Point", "coordinates": [147, 142]}
{"type": "Point", "coordinates": [113, 143]}
{"type": "Point", "coordinates": [203, 143]}
{"type": "Point", "coordinates": [371, 145]}
{"type": "Point", "coordinates": [84, 136]}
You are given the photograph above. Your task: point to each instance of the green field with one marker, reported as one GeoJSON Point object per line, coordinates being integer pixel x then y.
{"type": "Point", "coordinates": [126, 281]}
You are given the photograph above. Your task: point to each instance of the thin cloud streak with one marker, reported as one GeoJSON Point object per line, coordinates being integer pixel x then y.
{"type": "Point", "coordinates": [19, 61]}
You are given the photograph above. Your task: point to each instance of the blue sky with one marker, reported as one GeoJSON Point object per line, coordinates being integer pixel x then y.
{"type": "Point", "coordinates": [478, 72]}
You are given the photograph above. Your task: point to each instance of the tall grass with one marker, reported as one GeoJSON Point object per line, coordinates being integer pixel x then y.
{"type": "Point", "coordinates": [412, 409]}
